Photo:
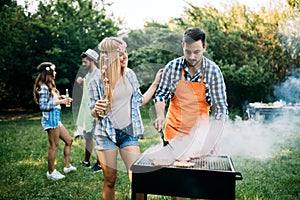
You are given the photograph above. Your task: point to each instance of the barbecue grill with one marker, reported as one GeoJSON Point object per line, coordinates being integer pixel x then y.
{"type": "Point", "coordinates": [211, 177]}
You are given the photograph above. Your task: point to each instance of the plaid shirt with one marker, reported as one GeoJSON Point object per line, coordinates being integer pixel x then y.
{"type": "Point", "coordinates": [46, 102]}
{"type": "Point", "coordinates": [104, 126]}
{"type": "Point", "coordinates": [213, 79]}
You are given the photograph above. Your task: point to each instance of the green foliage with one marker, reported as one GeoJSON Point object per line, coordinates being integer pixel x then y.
{"type": "Point", "coordinates": [254, 49]}
{"type": "Point", "coordinates": [150, 49]}
{"type": "Point", "coordinates": [73, 27]}
{"type": "Point", "coordinates": [240, 82]}
{"type": "Point", "coordinates": [58, 32]}
{"type": "Point", "coordinates": [247, 46]}
{"type": "Point", "coordinates": [14, 54]}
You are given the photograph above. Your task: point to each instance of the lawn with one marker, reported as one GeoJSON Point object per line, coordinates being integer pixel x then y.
{"type": "Point", "coordinates": [272, 172]}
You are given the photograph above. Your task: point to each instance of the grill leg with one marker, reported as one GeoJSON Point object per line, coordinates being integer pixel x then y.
{"type": "Point", "coordinates": [145, 196]}
{"type": "Point", "coordinates": [134, 195]}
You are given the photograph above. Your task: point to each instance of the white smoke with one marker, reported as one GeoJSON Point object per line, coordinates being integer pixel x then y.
{"type": "Point", "coordinates": [256, 138]}
{"type": "Point", "coordinates": [289, 90]}
{"type": "Point", "coordinates": [260, 138]}
{"type": "Point", "coordinates": [201, 140]}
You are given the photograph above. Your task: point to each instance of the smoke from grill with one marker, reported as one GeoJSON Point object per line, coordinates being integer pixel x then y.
{"type": "Point", "coordinates": [201, 141]}
{"type": "Point", "coordinates": [255, 138]}
{"type": "Point", "coordinates": [260, 138]}
{"type": "Point", "coordinates": [289, 90]}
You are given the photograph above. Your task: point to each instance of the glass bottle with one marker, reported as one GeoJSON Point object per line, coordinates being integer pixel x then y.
{"type": "Point", "coordinates": [68, 96]}
{"type": "Point", "coordinates": [103, 113]}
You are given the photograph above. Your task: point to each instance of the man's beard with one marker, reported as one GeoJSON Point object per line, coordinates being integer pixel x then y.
{"type": "Point", "coordinates": [88, 68]}
{"type": "Point", "coordinates": [194, 63]}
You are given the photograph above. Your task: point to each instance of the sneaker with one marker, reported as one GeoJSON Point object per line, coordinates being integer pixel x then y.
{"type": "Point", "coordinates": [85, 164]}
{"type": "Point", "coordinates": [96, 168]}
{"type": "Point", "coordinates": [55, 175]}
{"type": "Point", "coordinates": [69, 169]}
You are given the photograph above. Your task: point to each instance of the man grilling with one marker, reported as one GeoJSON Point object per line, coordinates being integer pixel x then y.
{"type": "Point", "coordinates": [193, 84]}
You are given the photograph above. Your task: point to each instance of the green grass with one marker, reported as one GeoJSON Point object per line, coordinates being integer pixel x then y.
{"type": "Point", "coordinates": [23, 146]}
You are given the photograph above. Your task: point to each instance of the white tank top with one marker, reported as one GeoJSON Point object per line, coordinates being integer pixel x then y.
{"type": "Point", "coordinates": [55, 98]}
{"type": "Point", "coordinates": [121, 104]}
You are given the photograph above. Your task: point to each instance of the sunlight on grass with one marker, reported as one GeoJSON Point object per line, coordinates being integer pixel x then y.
{"type": "Point", "coordinates": [35, 118]}
{"type": "Point", "coordinates": [263, 156]}
{"type": "Point", "coordinates": [285, 151]}
{"type": "Point", "coordinates": [31, 162]}
{"type": "Point", "coordinates": [78, 142]}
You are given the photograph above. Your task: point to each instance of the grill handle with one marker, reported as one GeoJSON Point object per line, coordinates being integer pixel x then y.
{"type": "Point", "coordinates": [238, 176]}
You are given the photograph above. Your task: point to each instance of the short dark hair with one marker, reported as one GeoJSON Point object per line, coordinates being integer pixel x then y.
{"type": "Point", "coordinates": [193, 35]}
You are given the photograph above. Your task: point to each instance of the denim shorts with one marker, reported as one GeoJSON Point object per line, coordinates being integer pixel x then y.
{"type": "Point", "coordinates": [51, 119]}
{"type": "Point", "coordinates": [123, 140]}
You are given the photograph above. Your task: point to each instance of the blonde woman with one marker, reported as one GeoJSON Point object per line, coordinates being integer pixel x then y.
{"type": "Point", "coordinates": [49, 100]}
{"type": "Point", "coordinates": [120, 123]}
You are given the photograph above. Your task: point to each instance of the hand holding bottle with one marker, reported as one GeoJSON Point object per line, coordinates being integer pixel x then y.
{"type": "Point", "coordinates": [101, 107]}
{"type": "Point", "coordinates": [68, 99]}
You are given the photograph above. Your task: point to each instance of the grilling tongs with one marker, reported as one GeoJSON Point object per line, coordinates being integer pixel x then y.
{"type": "Point", "coordinates": [165, 142]}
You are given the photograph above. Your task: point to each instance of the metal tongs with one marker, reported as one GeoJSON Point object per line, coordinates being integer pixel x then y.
{"type": "Point", "coordinates": [165, 142]}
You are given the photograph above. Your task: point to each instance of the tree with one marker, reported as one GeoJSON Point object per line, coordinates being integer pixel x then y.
{"type": "Point", "coordinates": [247, 47]}
{"type": "Point", "coordinates": [14, 54]}
{"type": "Point", "coordinates": [150, 49]}
{"type": "Point", "coordinates": [58, 32]}
{"type": "Point", "coordinates": [69, 27]}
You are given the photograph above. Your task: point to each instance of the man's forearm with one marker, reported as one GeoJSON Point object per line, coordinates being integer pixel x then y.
{"type": "Point", "coordinates": [160, 109]}
{"type": "Point", "coordinates": [159, 122]}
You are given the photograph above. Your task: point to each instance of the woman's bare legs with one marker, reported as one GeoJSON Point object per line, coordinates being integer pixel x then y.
{"type": "Point", "coordinates": [89, 143]}
{"type": "Point", "coordinates": [108, 161]}
{"type": "Point", "coordinates": [130, 154]}
{"type": "Point", "coordinates": [53, 139]}
{"type": "Point", "coordinates": [68, 140]}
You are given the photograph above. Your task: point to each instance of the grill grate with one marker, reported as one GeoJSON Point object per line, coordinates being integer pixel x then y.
{"type": "Point", "coordinates": [209, 162]}
{"type": "Point", "coordinates": [211, 177]}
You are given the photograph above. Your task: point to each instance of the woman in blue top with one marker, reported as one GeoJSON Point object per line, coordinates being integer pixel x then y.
{"type": "Point", "coordinates": [118, 129]}
{"type": "Point", "coordinates": [48, 98]}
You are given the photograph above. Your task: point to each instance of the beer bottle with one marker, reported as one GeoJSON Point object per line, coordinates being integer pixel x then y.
{"type": "Point", "coordinates": [103, 113]}
{"type": "Point", "coordinates": [68, 96]}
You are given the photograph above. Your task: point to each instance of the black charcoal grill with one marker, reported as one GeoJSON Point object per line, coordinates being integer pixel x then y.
{"type": "Point", "coordinates": [211, 177]}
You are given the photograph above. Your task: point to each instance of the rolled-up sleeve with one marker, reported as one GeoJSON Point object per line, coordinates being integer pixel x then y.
{"type": "Point", "coordinates": [168, 83]}
{"type": "Point", "coordinates": [218, 93]}
{"type": "Point", "coordinates": [94, 91]}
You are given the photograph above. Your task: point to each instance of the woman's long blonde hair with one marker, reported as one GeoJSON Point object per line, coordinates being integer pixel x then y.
{"type": "Point", "coordinates": [110, 67]}
{"type": "Point", "coordinates": [46, 76]}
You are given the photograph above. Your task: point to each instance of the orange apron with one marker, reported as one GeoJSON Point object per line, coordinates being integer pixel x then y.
{"type": "Point", "coordinates": [186, 106]}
